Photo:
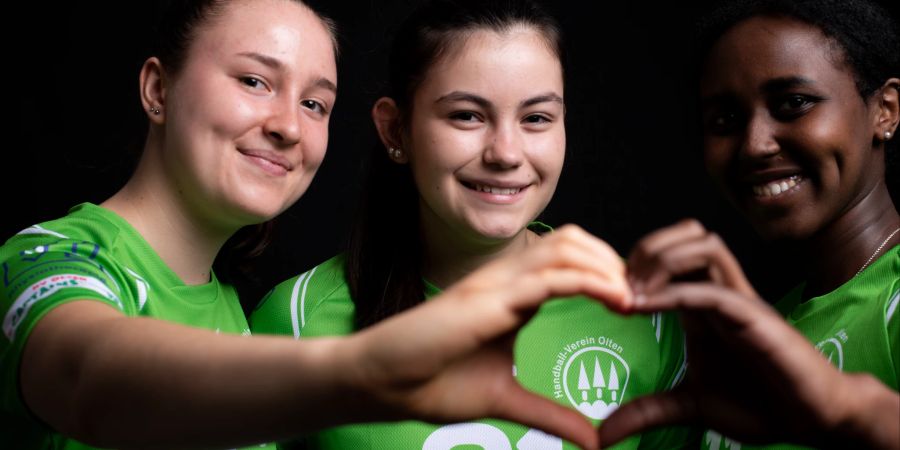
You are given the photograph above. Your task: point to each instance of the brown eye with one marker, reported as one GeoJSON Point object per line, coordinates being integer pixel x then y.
{"type": "Point", "coordinates": [721, 122]}
{"type": "Point", "coordinates": [536, 119]}
{"type": "Point", "coordinates": [793, 106]}
{"type": "Point", "coordinates": [314, 106]}
{"type": "Point", "coordinates": [464, 116]}
{"type": "Point", "coordinates": [252, 82]}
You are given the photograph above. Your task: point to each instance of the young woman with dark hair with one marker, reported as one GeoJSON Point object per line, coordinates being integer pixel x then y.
{"type": "Point", "coordinates": [472, 146]}
{"type": "Point", "coordinates": [800, 105]}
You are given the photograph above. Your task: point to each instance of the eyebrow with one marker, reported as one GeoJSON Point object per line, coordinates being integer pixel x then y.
{"type": "Point", "coordinates": [784, 83]}
{"type": "Point", "coordinates": [549, 97]}
{"type": "Point", "coordinates": [265, 60]}
{"type": "Point", "coordinates": [459, 96]}
{"type": "Point", "coordinates": [770, 86]}
{"type": "Point", "coordinates": [326, 84]}
{"type": "Point", "coordinates": [275, 64]}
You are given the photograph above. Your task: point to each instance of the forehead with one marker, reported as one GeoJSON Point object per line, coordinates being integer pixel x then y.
{"type": "Point", "coordinates": [282, 29]}
{"type": "Point", "coordinates": [766, 48]}
{"type": "Point", "coordinates": [490, 58]}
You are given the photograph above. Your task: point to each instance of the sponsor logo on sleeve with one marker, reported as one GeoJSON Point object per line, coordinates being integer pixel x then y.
{"type": "Point", "coordinates": [44, 289]}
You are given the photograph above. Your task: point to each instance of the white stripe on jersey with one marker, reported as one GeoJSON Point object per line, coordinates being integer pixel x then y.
{"type": "Point", "coordinates": [684, 365]}
{"type": "Point", "coordinates": [37, 229]}
{"type": "Point", "coordinates": [892, 307]}
{"type": "Point", "coordinates": [299, 320]}
{"type": "Point", "coordinates": [657, 320]}
{"type": "Point", "coordinates": [45, 288]}
{"type": "Point", "coordinates": [142, 287]}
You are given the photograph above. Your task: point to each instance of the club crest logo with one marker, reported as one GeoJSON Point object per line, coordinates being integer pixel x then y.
{"type": "Point", "coordinates": [833, 349]}
{"type": "Point", "coordinates": [593, 376]}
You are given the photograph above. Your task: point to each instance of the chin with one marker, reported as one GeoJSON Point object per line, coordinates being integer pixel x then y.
{"type": "Point", "coordinates": [785, 229]}
{"type": "Point", "coordinates": [499, 231]}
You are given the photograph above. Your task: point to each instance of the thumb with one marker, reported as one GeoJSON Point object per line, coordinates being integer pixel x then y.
{"type": "Point", "coordinates": [534, 411]}
{"type": "Point", "coordinates": [645, 413]}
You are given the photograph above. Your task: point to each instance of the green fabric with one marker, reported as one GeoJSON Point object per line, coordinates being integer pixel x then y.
{"type": "Point", "coordinates": [569, 342]}
{"type": "Point", "coordinates": [90, 254]}
{"type": "Point", "coordinates": [856, 326]}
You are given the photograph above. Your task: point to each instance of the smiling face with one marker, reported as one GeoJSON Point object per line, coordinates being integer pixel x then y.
{"type": "Point", "coordinates": [486, 136]}
{"type": "Point", "coordinates": [246, 118]}
{"type": "Point", "coordinates": [786, 133]}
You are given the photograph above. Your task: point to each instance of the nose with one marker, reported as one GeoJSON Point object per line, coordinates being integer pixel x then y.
{"type": "Point", "coordinates": [283, 122]}
{"type": "Point", "coordinates": [760, 137]}
{"type": "Point", "coordinates": [504, 149]}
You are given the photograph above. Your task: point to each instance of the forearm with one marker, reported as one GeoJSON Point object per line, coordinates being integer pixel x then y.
{"type": "Point", "coordinates": [874, 417]}
{"type": "Point", "coordinates": [136, 382]}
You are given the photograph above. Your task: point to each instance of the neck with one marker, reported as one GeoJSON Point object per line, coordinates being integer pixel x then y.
{"type": "Point", "coordinates": [182, 236]}
{"type": "Point", "coordinates": [449, 256]}
{"type": "Point", "coordinates": [835, 254]}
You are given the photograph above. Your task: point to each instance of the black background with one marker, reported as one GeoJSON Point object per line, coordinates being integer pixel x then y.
{"type": "Point", "coordinates": [75, 125]}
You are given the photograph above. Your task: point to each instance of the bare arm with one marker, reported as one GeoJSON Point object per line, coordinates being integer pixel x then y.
{"type": "Point", "coordinates": [111, 380]}
{"type": "Point", "coordinates": [100, 377]}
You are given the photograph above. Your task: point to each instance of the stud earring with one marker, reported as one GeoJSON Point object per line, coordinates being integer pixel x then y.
{"type": "Point", "coordinates": [155, 110]}
{"type": "Point", "coordinates": [395, 153]}
{"type": "Point", "coordinates": [887, 135]}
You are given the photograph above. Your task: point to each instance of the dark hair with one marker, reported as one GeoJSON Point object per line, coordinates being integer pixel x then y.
{"type": "Point", "coordinates": [384, 258]}
{"type": "Point", "coordinates": [865, 33]}
{"type": "Point", "coordinates": [175, 33]}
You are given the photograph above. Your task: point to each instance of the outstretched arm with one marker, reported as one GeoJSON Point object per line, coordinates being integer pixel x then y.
{"type": "Point", "coordinates": [109, 380]}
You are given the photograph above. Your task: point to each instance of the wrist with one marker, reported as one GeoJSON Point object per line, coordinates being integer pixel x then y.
{"type": "Point", "coordinates": [871, 415]}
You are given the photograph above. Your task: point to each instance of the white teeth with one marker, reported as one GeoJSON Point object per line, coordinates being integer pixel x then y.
{"type": "Point", "coordinates": [776, 187]}
{"type": "Point", "coordinates": [497, 190]}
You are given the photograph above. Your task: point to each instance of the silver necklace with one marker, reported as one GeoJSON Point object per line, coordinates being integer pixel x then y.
{"type": "Point", "coordinates": [878, 250]}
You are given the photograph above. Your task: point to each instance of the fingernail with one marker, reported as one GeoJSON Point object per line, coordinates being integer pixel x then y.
{"type": "Point", "coordinates": [640, 299]}
{"type": "Point", "coordinates": [637, 286]}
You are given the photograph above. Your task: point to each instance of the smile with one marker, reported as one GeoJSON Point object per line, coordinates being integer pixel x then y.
{"type": "Point", "coordinates": [271, 162]}
{"type": "Point", "coordinates": [778, 187]}
{"type": "Point", "coordinates": [492, 189]}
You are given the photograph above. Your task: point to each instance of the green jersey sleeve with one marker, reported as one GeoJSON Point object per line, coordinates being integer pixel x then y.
{"type": "Point", "coordinates": [40, 274]}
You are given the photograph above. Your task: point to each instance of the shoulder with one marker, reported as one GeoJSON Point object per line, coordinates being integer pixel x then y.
{"type": "Point", "coordinates": [287, 307]}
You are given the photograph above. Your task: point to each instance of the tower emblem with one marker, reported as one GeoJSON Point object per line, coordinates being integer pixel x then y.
{"type": "Point", "coordinates": [832, 349]}
{"type": "Point", "coordinates": [595, 380]}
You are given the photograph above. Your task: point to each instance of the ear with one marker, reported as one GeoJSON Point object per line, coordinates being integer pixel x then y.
{"type": "Point", "coordinates": [386, 116]}
{"type": "Point", "coordinates": [888, 113]}
{"type": "Point", "coordinates": [153, 90]}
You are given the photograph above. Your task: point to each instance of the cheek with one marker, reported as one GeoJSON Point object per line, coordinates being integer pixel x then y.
{"type": "Point", "coordinates": [438, 151]}
{"type": "Point", "coordinates": [551, 162]}
{"type": "Point", "coordinates": [316, 144]}
{"type": "Point", "coordinates": [716, 156]}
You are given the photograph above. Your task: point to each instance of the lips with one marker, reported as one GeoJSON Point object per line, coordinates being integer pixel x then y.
{"type": "Point", "coordinates": [270, 161]}
{"type": "Point", "coordinates": [773, 183]}
{"type": "Point", "coordinates": [495, 188]}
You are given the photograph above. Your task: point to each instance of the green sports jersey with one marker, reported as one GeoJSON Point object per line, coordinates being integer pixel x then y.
{"type": "Point", "coordinates": [90, 254]}
{"type": "Point", "coordinates": [573, 351]}
{"type": "Point", "coordinates": [856, 326]}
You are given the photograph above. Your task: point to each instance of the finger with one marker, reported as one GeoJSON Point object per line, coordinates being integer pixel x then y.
{"type": "Point", "coordinates": [530, 291]}
{"type": "Point", "coordinates": [646, 413]}
{"type": "Point", "coordinates": [596, 246]}
{"type": "Point", "coordinates": [705, 253]}
{"type": "Point", "coordinates": [538, 412]}
{"type": "Point", "coordinates": [724, 302]}
{"type": "Point", "coordinates": [570, 247]}
{"type": "Point", "coordinates": [640, 261]}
